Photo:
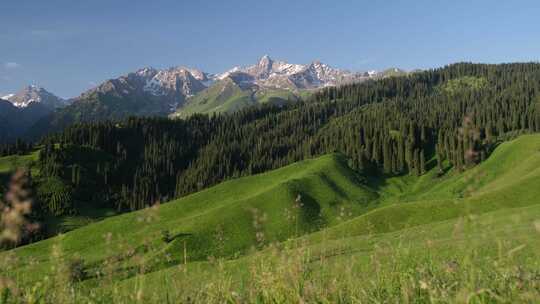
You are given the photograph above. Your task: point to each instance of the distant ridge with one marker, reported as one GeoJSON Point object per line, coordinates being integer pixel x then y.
{"type": "Point", "coordinates": [182, 91]}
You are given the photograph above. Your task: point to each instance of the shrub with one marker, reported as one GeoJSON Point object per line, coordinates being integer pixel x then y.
{"type": "Point", "coordinates": [76, 270]}
{"type": "Point", "coordinates": [166, 236]}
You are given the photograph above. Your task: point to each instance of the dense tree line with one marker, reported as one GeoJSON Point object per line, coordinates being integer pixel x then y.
{"type": "Point", "coordinates": [399, 125]}
{"type": "Point", "coordinates": [18, 147]}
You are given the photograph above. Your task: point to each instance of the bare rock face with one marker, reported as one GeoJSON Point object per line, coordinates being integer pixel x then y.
{"type": "Point", "coordinates": [162, 90]}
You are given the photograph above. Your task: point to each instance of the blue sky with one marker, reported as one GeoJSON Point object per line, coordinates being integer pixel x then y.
{"type": "Point", "coordinates": [69, 46]}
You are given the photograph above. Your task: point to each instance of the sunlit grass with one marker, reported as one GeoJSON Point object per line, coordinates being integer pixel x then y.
{"type": "Point", "coordinates": [471, 237]}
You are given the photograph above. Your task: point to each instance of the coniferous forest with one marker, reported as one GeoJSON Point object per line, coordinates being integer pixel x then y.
{"type": "Point", "coordinates": [453, 115]}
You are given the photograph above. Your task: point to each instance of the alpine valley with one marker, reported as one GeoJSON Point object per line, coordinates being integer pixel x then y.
{"type": "Point", "coordinates": [186, 179]}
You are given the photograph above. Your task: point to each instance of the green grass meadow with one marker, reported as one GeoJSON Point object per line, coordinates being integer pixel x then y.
{"type": "Point", "coordinates": [315, 231]}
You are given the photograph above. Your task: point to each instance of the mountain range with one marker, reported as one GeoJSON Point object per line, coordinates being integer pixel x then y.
{"type": "Point", "coordinates": [266, 81]}
{"type": "Point", "coordinates": [180, 92]}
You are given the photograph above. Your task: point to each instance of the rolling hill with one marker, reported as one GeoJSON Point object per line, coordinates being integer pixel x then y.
{"type": "Point", "coordinates": [324, 186]}
{"type": "Point", "coordinates": [322, 204]}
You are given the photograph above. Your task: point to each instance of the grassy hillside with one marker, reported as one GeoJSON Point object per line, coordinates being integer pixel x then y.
{"type": "Point", "coordinates": [464, 242]}
{"type": "Point", "coordinates": [508, 179]}
{"type": "Point", "coordinates": [226, 96]}
{"type": "Point", "coordinates": [225, 220]}
{"type": "Point", "coordinates": [492, 258]}
{"type": "Point", "coordinates": [277, 96]}
{"type": "Point", "coordinates": [223, 96]}
{"type": "Point", "coordinates": [301, 231]}
{"type": "Point", "coordinates": [9, 163]}
{"type": "Point", "coordinates": [52, 225]}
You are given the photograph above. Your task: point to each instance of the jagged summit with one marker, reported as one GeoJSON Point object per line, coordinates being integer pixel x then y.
{"type": "Point", "coordinates": [163, 91]}
{"type": "Point", "coordinates": [159, 92]}
{"type": "Point", "coordinates": [265, 63]}
{"type": "Point", "coordinates": [271, 73]}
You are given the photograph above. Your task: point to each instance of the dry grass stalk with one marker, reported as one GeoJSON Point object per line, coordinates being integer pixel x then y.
{"type": "Point", "coordinates": [13, 222]}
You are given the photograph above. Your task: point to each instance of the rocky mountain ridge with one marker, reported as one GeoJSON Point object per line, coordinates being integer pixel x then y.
{"type": "Point", "coordinates": [270, 73]}
{"type": "Point", "coordinates": [35, 94]}
{"type": "Point", "coordinates": [183, 91]}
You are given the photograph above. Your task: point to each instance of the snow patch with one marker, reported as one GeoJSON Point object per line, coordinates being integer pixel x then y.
{"type": "Point", "coordinates": [228, 73]}
{"type": "Point", "coordinates": [25, 103]}
{"type": "Point", "coordinates": [8, 96]}
{"type": "Point", "coordinates": [154, 87]}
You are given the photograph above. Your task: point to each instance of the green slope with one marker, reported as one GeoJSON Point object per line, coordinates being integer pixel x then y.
{"type": "Point", "coordinates": [223, 96]}
{"type": "Point", "coordinates": [483, 222]}
{"type": "Point", "coordinates": [8, 164]}
{"type": "Point", "coordinates": [508, 179]}
{"type": "Point", "coordinates": [225, 220]}
{"type": "Point", "coordinates": [456, 260]}
{"type": "Point", "coordinates": [277, 96]}
{"type": "Point", "coordinates": [226, 96]}
{"type": "Point", "coordinates": [52, 225]}
{"type": "Point", "coordinates": [472, 217]}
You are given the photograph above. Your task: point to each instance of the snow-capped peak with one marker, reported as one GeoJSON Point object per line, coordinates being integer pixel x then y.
{"type": "Point", "coordinates": [34, 94]}
{"type": "Point", "coordinates": [268, 72]}
{"type": "Point", "coordinates": [174, 81]}
{"type": "Point", "coordinates": [146, 72]}
{"type": "Point", "coordinates": [228, 73]}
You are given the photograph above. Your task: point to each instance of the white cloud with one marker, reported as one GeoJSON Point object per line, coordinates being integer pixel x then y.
{"type": "Point", "coordinates": [11, 65]}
